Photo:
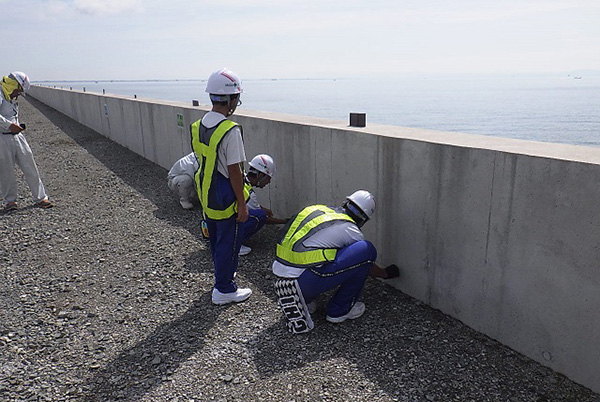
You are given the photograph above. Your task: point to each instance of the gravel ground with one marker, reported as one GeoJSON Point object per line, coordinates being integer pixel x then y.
{"type": "Point", "coordinates": [106, 297]}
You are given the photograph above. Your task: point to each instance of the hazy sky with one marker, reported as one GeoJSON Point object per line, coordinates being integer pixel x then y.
{"type": "Point", "coordinates": [146, 39]}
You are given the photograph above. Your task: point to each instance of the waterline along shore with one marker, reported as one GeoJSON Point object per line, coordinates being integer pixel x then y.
{"type": "Point", "coordinates": [546, 107]}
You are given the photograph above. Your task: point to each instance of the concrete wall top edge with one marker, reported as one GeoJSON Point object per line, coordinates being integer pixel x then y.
{"type": "Point", "coordinates": [574, 153]}
{"type": "Point", "coordinates": [567, 152]}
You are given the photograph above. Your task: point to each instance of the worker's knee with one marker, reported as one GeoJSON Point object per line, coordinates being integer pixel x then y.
{"type": "Point", "coordinates": [367, 250]}
{"type": "Point", "coordinates": [259, 214]}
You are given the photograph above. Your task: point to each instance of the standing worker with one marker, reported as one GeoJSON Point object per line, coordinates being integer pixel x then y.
{"type": "Point", "coordinates": [181, 180]}
{"type": "Point", "coordinates": [322, 248]}
{"type": "Point", "coordinates": [14, 148]}
{"type": "Point", "coordinates": [219, 148]}
{"type": "Point", "coordinates": [260, 173]}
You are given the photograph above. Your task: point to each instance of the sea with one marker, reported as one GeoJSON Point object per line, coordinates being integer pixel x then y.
{"type": "Point", "coordinates": [560, 108]}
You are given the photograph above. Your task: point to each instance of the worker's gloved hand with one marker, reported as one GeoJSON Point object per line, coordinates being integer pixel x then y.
{"type": "Point", "coordinates": [392, 271]}
{"type": "Point", "coordinates": [22, 126]}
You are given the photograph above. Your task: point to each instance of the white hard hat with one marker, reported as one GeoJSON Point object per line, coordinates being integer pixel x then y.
{"type": "Point", "coordinates": [364, 201]}
{"type": "Point", "coordinates": [21, 78]}
{"type": "Point", "coordinates": [224, 82]}
{"type": "Point", "coordinates": [263, 163]}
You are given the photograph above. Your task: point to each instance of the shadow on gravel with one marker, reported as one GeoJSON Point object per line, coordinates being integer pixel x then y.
{"type": "Point", "coordinates": [146, 177]}
{"type": "Point", "coordinates": [407, 349]}
{"type": "Point", "coordinates": [149, 363]}
{"type": "Point", "coordinates": [139, 369]}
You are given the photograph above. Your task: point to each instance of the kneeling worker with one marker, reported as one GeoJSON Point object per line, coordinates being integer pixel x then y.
{"type": "Point", "coordinates": [181, 180]}
{"type": "Point", "coordinates": [322, 248]}
{"type": "Point", "coordinates": [262, 169]}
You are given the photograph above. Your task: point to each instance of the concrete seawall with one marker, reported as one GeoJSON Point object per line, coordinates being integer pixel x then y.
{"type": "Point", "coordinates": [501, 234]}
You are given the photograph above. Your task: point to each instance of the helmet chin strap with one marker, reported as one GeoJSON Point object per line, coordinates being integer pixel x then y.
{"type": "Point", "coordinates": [231, 109]}
{"type": "Point", "coordinates": [355, 213]}
{"type": "Point", "coordinates": [259, 182]}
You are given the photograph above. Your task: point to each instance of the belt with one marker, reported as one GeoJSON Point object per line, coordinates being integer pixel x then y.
{"type": "Point", "coordinates": [10, 133]}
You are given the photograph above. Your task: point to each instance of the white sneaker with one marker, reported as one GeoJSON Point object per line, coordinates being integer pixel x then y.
{"type": "Point", "coordinates": [238, 296]}
{"type": "Point", "coordinates": [356, 311]}
{"type": "Point", "coordinates": [244, 250]}
{"type": "Point", "coordinates": [186, 204]}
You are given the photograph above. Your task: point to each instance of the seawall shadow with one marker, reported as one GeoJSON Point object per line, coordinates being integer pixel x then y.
{"type": "Point", "coordinates": [137, 370]}
{"type": "Point", "coordinates": [404, 347]}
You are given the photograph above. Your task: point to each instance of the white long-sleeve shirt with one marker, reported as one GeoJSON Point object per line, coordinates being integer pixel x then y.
{"type": "Point", "coordinates": [9, 114]}
{"type": "Point", "coordinates": [187, 165]}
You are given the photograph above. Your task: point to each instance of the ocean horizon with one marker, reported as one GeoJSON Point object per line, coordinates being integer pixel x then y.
{"type": "Point", "coordinates": [560, 108]}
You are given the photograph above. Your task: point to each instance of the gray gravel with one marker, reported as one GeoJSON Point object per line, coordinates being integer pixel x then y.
{"type": "Point", "coordinates": [106, 297]}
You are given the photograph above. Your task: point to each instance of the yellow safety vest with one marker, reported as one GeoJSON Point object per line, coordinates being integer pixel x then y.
{"type": "Point", "coordinates": [291, 251]}
{"type": "Point", "coordinates": [247, 190]}
{"type": "Point", "coordinates": [205, 143]}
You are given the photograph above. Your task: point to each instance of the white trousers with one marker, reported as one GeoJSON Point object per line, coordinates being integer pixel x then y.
{"type": "Point", "coordinates": [14, 149]}
{"type": "Point", "coordinates": [184, 186]}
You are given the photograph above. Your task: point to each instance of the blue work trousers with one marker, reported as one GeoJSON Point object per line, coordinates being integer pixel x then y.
{"type": "Point", "coordinates": [225, 236]}
{"type": "Point", "coordinates": [349, 271]}
{"type": "Point", "coordinates": [256, 220]}
{"type": "Point", "coordinates": [225, 243]}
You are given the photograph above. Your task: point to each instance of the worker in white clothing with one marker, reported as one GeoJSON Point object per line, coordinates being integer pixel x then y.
{"type": "Point", "coordinates": [260, 173]}
{"type": "Point", "coordinates": [181, 180]}
{"type": "Point", "coordinates": [14, 149]}
{"type": "Point", "coordinates": [322, 248]}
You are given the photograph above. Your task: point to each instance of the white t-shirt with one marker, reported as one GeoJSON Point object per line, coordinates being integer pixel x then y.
{"type": "Point", "coordinates": [338, 235]}
{"type": "Point", "coordinates": [231, 150]}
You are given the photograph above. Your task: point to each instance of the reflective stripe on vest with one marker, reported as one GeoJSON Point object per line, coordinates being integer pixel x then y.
{"type": "Point", "coordinates": [247, 191]}
{"type": "Point", "coordinates": [291, 251]}
{"type": "Point", "coordinates": [206, 153]}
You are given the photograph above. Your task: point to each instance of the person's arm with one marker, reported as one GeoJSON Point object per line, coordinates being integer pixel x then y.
{"type": "Point", "coordinates": [275, 221]}
{"type": "Point", "coordinates": [237, 183]}
{"type": "Point", "coordinates": [271, 220]}
{"type": "Point", "coordinates": [7, 125]}
{"type": "Point", "coordinates": [352, 234]}
{"type": "Point", "coordinates": [389, 272]}
{"type": "Point", "coordinates": [15, 128]}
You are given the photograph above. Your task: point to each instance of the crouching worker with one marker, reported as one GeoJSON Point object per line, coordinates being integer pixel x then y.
{"type": "Point", "coordinates": [322, 248]}
{"type": "Point", "coordinates": [181, 180]}
{"type": "Point", "coordinates": [262, 169]}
